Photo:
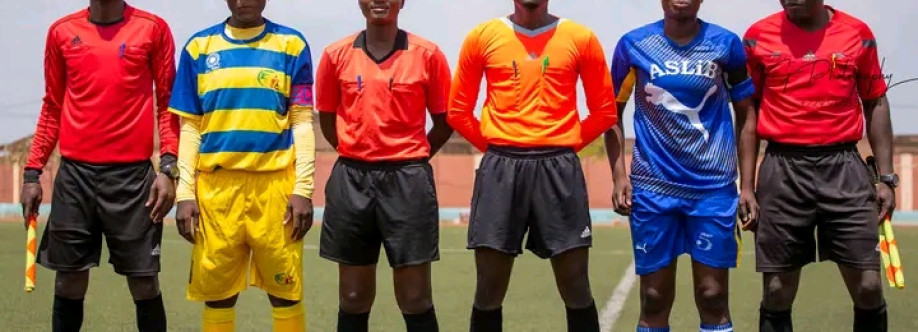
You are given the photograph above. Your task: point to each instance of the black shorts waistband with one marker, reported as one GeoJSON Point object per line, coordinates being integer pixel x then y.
{"type": "Point", "coordinates": [383, 164]}
{"type": "Point", "coordinates": [781, 148]}
{"type": "Point", "coordinates": [530, 152]}
{"type": "Point", "coordinates": [102, 166]}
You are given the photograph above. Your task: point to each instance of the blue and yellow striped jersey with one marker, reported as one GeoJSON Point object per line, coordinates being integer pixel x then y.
{"type": "Point", "coordinates": [241, 91]}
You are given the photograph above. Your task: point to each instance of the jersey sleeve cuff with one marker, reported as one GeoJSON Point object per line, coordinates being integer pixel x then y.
{"type": "Point", "coordinates": [183, 113]}
{"type": "Point", "coordinates": [743, 90]}
{"type": "Point", "coordinates": [304, 192]}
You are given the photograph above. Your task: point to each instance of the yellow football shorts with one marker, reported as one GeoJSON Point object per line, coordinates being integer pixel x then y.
{"type": "Point", "coordinates": [242, 229]}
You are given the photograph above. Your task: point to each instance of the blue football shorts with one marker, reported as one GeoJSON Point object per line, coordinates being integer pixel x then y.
{"type": "Point", "coordinates": [663, 227]}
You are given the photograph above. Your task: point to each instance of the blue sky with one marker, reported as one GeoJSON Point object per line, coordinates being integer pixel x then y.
{"type": "Point", "coordinates": [442, 21]}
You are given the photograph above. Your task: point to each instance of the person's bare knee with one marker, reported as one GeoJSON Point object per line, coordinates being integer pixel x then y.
{"type": "Point", "coordinates": [143, 288]}
{"type": "Point", "coordinates": [71, 285]}
{"type": "Point", "coordinates": [281, 303]}
{"type": "Point", "coordinates": [357, 288]}
{"type": "Point", "coordinates": [412, 288]}
{"type": "Point", "coordinates": [493, 269]}
{"type": "Point", "coordinates": [780, 289]}
{"type": "Point", "coordinates": [572, 278]}
{"type": "Point", "coordinates": [657, 296]}
{"type": "Point", "coordinates": [223, 304]}
{"type": "Point", "coordinates": [864, 286]}
{"type": "Point", "coordinates": [711, 295]}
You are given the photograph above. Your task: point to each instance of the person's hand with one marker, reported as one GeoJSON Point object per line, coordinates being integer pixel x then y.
{"type": "Point", "coordinates": [30, 196]}
{"type": "Point", "coordinates": [162, 197]}
{"type": "Point", "coordinates": [886, 199]}
{"type": "Point", "coordinates": [299, 213]}
{"type": "Point", "coordinates": [187, 218]}
{"type": "Point", "coordinates": [748, 210]}
{"type": "Point", "coordinates": [621, 195]}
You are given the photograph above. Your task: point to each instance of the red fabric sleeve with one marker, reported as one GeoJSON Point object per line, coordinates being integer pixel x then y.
{"type": "Point", "coordinates": [327, 87]}
{"type": "Point", "coordinates": [871, 84]}
{"type": "Point", "coordinates": [49, 122]}
{"type": "Point", "coordinates": [439, 83]}
{"type": "Point", "coordinates": [464, 93]}
{"type": "Point", "coordinates": [163, 68]}
{"type": "Point", "coordinates": [600, 93]}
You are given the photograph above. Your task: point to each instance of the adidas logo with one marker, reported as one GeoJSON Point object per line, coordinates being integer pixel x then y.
{"type": "Point", "coordinates": [156, 251]}
{"type": "Point", "coordinates": [76, 41]}
{"type": "Point", "coordinates": [586, 233]}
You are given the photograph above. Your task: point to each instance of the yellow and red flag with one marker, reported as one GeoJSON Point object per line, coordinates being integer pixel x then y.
{"type": "Point", "coordinates": [889, 253]}
{"type": "Point", "coordinates": [30, 256]}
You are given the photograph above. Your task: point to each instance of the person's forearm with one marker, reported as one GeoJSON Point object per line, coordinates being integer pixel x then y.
{"type": "Point", "coordinates": [465, 123]}
{"type": "Point", "coordinates": [304, 145]}
{"type": "Point", "coordinates": [615, 150]}
{"type": "Point", "coordinates": [439, 134]}
{"type": "Point", "coordinates": [189, 147]}
{"type": "Point", "coordinates": [748, 143]}
{"type": "Point", "coordinates": [880, 133]}
{"type": "Point", "coordinates": [328, 124]}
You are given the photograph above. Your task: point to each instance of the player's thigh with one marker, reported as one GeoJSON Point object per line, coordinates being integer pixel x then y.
{"type": "Point", "coordinates": [133, 238]}
{"type": "Point", "coordinates": [785, 233]}
{"type": "Point", "coordinates": [848, 220]}
{"type": "Point", "coordinates": [220, 257]}
{"type": "Point", "coordinates": [349, 228]}
{"type": "Point", "coordinates": [499, 215]}
{"type": "Point", "coordinates": [657, 228]}
{"type": "Point", "coordinates": [560, 205]}
{"type": "Point", "coordinates": [712, 235]}
{"type": "Point", "coordinates": [408, 215]}
{"type": "Point", "coordinates": [72, 239]}
{"type": "Point", "coordinates": [277, 258]}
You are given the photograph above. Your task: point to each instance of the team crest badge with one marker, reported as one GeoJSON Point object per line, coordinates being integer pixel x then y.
{"type": "Point", "coordinates": [213, 61]}
{"type": "Point", "coordinates": [270, 79]}
{"type": "Point", "coordinates": [284, 279]}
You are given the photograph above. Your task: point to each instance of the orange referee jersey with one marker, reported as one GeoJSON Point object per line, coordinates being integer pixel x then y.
{"type": "Point", "coordinates": [381, 103]}
{"type": "Point", "coordinates": [532, 86]}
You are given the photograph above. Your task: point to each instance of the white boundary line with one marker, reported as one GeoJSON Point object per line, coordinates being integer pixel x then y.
{"type": "Point", "coordinates": [613, 308]}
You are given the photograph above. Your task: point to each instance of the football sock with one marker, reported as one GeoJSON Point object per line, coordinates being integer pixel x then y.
{"type": "Point", "coordinates": [652, 329]}
{"type": "Point", "coordinates": [487, 320]}
{"type": "Point", "coordinates": [872, 320]}
{"type": "Point", "coordinates": [289, 319]}
{"type": "Point", "coordinates": [151, 315]}
{"type": "Point", "coordinates": [423, 322]}
{"type": "Point", "coordinates": [775, 321]}
{"type": "Point", "coordinates": [583, 320]}
{"type": "Point", "coordinates": [67, 315]}
{"type": "Point", "coordinates": [219, 319]}
{"type": "Point", "coordinates": [353, 322]}
{"type": "Point", "coordinates": [728, 327]}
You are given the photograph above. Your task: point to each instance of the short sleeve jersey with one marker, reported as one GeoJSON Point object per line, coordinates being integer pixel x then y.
{"type": "Point", "coordinates": [811, 83]}
{"type": "Point", "coordinates": [684, 137]}
{"type": "Point", "coordinates": [241, 91]}
{"type": "Point", "coordinates": [382, 104]}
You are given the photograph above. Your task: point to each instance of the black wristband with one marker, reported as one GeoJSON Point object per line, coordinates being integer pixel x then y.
{"type": "Point", "coordinates": [31, 176]}
{"type": "Point", "coordinates": [167, 159]}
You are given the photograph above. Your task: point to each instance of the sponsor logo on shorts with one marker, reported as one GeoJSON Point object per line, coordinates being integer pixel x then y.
{"type": "Point", "coordinates": [586, 233]}
{"type": "Point", "coordinates": [156, 251]}
{"type": "Point", "coordinates": [641, 247]}
{"type": "Point", "coordinates": [704, 242]}
{"type": "Point", "coordinates": [284, 278]}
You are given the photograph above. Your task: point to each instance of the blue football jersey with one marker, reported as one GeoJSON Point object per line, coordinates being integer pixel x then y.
{"type": "Point", "coordinates": [684, 137]}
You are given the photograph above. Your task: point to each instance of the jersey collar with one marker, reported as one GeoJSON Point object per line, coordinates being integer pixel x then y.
{"type": "Point", "coordinates": [401, 44]}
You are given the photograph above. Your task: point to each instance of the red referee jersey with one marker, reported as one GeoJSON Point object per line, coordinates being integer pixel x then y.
{"type": "Point", "coordinates": [810, 84]}
{"type": "Point", "coordinates": [99, 96]}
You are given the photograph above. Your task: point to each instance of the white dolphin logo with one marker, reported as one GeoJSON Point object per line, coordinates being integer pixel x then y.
{"type": "Point", "coordinates": [660, 97]}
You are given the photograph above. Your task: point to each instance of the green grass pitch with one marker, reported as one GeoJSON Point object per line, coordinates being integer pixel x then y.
{"type": "Point", "coordinates": [532, 303]}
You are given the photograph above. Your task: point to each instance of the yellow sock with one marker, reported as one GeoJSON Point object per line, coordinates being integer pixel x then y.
{"type": "Point", "coordinates": [219, 320]}
{"type": "Point", "coordinates": [289, 319]}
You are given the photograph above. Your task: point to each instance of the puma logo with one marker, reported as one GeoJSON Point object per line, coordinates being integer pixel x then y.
{"type": "Point", "coordinates": [642, 247]}
{"type": "Point", "coordinates": [660, 97]}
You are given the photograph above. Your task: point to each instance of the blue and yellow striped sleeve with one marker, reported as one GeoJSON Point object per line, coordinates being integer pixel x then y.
{"type": "Point", "coordinates": [185, 100]}
{"type": "Point", "coordinates": [301, 75]}
{"type": "Point", "coordinates": [623, 73]}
